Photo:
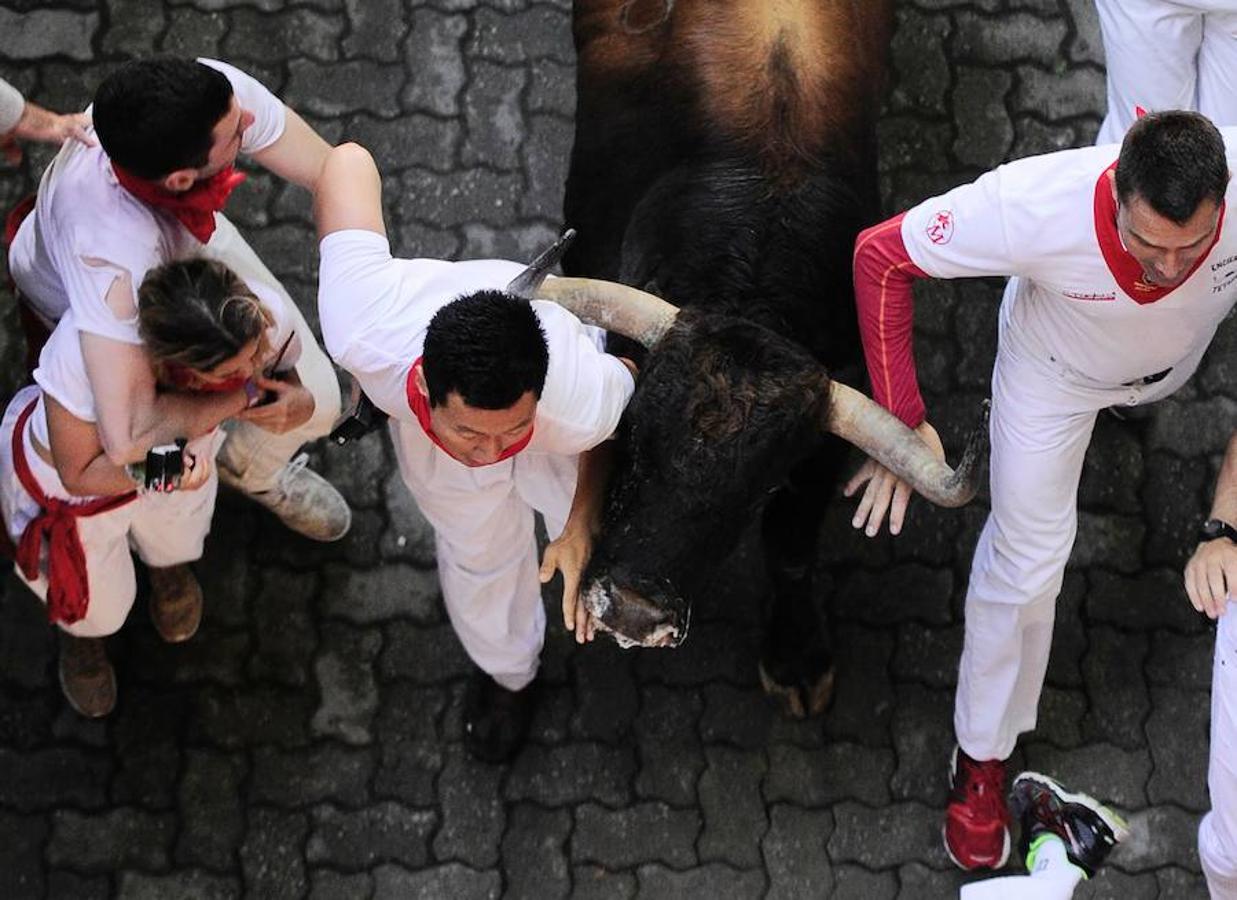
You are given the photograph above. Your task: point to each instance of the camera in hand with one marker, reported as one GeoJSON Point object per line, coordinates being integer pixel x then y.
{"type": "Point", "coordinates": [360, 419]}
{"type": "Point", "coordinates": [163, 467]}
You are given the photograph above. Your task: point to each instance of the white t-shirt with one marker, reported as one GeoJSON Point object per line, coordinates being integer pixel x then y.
{"type": "Point", "coordinates": [375, 309]}
{"type": "Point", "coordinates": [86, 229]}
{"type": "Point", "coordinates": [61, 372]}
{"type": "Point", "coordinates": [1036, 218]}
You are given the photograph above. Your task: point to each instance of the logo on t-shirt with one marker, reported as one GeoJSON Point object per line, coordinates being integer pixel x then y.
{"type": "Point", "coordinates": [941, 227]}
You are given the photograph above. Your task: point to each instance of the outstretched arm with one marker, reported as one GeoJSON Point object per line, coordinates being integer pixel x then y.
{"type": "Point", "coordinates": [298, 155]}
{"type": "Point", "coordinates": [349, 192]}
{"type": "Point", "coordinates": [1211, 573]}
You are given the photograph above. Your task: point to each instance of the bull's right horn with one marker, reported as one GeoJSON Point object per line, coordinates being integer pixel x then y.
{"type": "Point", "coordinates": [882, 436]}
{"type": "Point", "coordinates": [615, 307]}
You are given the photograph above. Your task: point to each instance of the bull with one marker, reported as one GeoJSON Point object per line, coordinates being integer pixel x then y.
{"type": "Point", "coordinates": [724, 159]}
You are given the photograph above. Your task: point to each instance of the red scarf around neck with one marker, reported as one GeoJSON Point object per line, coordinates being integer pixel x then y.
{"type": "Point", "coordinates": [420, 406]}
{"type": "Point", "coordinates": [194, 208]}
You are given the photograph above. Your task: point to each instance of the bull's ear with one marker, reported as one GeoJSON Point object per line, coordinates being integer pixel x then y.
{"type": "Point", "coordinates": [526, 283]}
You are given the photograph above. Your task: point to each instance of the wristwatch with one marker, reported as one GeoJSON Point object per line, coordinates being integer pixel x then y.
{"type": "Point", "coordinates": [1216, 528]}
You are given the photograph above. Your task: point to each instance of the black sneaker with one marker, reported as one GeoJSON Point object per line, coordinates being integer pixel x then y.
{"type": "Point", "coordinates": [1088, 828]}
{"type": "Point", "coordinates": [496, 720]}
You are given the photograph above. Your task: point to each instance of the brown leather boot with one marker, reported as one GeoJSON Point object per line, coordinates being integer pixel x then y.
{"type": "Point", "coordinates": [86, 677]}
{"type": "Point", "coordinates": [175, 602]}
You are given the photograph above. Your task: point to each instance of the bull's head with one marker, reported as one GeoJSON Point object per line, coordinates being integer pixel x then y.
{"type": "Point", "coordinates": [723, 409]}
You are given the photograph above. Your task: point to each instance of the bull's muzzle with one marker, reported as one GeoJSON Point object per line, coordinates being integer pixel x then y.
{"type": "Point", "coordinates": [635, 620]}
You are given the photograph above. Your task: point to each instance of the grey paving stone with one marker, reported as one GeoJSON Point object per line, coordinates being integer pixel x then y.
{"type": "Point", "coordinates": [390, 592]}
{"type": "Point", "coordinates": [410, 751]}
{"type": "Point", "coordinates": [493, 116]}
{"type": "Point", "coordinates": [186, 884]}
{"type": "Point", "coordinates": [550, 87]}
{"type": "Point", "coordinates": [327, 884]}
{"type": "Point", "coordinates": [1160, 836]}
{"type": "Point", "coordinates": [450, 880]}
{"type": "Point", "coordinates": [898, 594]}
{"type": "Point", "coordinates": [344, 670]}
{"type": "Point", "coordinates": [1192, 429]}
{"type": "Point", "coordinates": [1033, 137]}
{"type": "Point", "coordinates": [115, 838]}
{"type": "Point", "coordinates": [1172, 521]}
{"type": "Point", "coordinates": [906, 141]}
{"type": "Point", "coordinates": [520, 242]}
{"type": "Point", "coordinates": [886, 836]}
{"type": "Point", "coordinates": [535, 33]}
{"type": "Point", "coordinates": [919, 62]}
{"type": "Point", "coordinates": [1181, 661]}
{"type": "Point", "coordinates": [53, 778]}
{"type": "Point", "coordinates": [26, 646]}
{"type": "Point", "coordinates": [918, 880]}
{"type": "Point", "coordinates": [544, 156]}
{"type": "Point", "coordinates": [1113, 667]}
{"type": "Point", "coordinates": [626, 837]}
{"type": "Point", "coordinates": [795, 854]}
{"type": "Point", "coordinates": [735, 820]}
{"type": "Point", "coordinates": [430, 653]}
{"type": "Point", "coordinates": [1178, 735]}
{"type": "Point", "coordinates": [357, 473]}
{"type": "Point", "coordinates": [145, 737]}
{"type": "Point", "coordinates": [863, 703]}
{"type": "Point", "coordinates": [1114, 469]}
{"type": "Point", "coordinates": [410, 140]}
{"type": "Point", "coordinates": [132, 27]}
{"type": "Point", "coordinates": [272, 855]}
{"type": "Point", "coordinates": [1175, 882]}
{"type": "Point", "coordinates": [596, 883]}
{"type": "Point", "coordinates": [607, 700]}
{"type": "Point", "coordinates": [211, 812]}
{"type": "Point", "coordinates": [740, 716]}
{"type": "Point", "coordinates": [1061, 715]}
{"type": "Point", "coordinates": [47, 32]}
{"type": "Point", "coordinates": [857, 883]}
{"type": "Point", "coordinates": [1111, 540]}
{"type": "Point", "coordinates": [473, 817]}
{"type": "Point", "coordinates": [292, 33]}
{"type": "Point", "coordinates": [192, 33]}
{"type": "Point", "coordinates": [923, 738]}
{"type": "Point", "coordinates": [434, 56]}
{"type": "Point", "coordinates": [65, 885]}
{"type": "Point", "coordinates": [21, 855]}
{"type": "Point", "coordinates": [928, 655]}
{"type": "Point", "coordinates": [571, 774]}
{"type": "Point", "coordinates": [986, 133]}
{"type": "Point", "coordinates": [384, 832]}
{"type": "Point", "coordinates": [534, 853]}
{"type": "Point", "coordinates": [296, 778]}
{"type": "Point", "coordinates": [409, 536]}
{"type": "Point", "coordinates": [232, 719]}
{"type": "Point", "coordinates": [712, 880]}
{"type": "Point", "coordinates": [376, 28]}
{"type": "Point", "coordinates": [1101, 770]}
{"type": "Point", "coordinates": [344, 87]}
{"type": "Point", "coordinates": [668, 741]}
{"type": "Point", "coordinates": [1149, 600]}
{"type": "Point", "coordinates": [463, 197]}
{"type": "Point", "coordinates": [286, 636]}
{"type": "Point", "coordinates": [840, 770]}
{"type": "Point", "coordinates": [1069, 634]}
{"type": "Point", "coordinates": [1013, 37]}
{"type": "Point", "coordinates": [1058, 95]}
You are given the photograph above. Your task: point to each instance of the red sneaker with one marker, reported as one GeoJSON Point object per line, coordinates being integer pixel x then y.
{"type": "Point", "coordinates": [977, 818]}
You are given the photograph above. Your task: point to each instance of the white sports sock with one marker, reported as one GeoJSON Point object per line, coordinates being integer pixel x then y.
{"type": "Point", "coordinates": [1048, 859]}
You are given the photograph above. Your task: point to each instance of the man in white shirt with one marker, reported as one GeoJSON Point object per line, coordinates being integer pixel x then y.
{"type": "Point", "coordinates": [170, 131]}
{"type": "Point", "coordinates": [1122, 268]}
{"type": "Point", "coordinates": [1168, 54]}
{"type": "Point", "coordinates": [494, 402]}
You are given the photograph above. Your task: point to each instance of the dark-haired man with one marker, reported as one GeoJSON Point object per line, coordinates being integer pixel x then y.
{"type": "Point", "coordinates": [1121, 272]}
{"type": "Point", "coordinates": [493, 402]}
{"type": "Point", "coordinates": [170, 131]}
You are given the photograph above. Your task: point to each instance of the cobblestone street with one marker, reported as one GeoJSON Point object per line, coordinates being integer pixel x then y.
{"type": "Point", "coordinates": [307, 743]}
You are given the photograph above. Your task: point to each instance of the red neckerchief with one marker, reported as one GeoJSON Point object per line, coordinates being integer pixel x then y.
{"type": "Point", "coordinates": [68, 587]}
{"type": "Point", "coordinates": [420, 406]}
{"type": "Point", "coordinates": [1125, 268]}
{"type": "Point", "coordinates": [183, 378]}
{"type": "Point", "coordinates": [194, 208]}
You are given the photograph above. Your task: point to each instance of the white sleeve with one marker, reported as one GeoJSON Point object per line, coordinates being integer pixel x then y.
{"type": "Point", "coordinates": [95, 259]}
{"type": "Point", "coordinates": [356, 282]}
{"type": "Point", "coordinates": [269, 112]}
{"type": "Point", "coordinates": [961, 233]}
{"type": "Point", "coordinates": [12, 105]}
{"type": "Point", "coordinates": [587, 389]}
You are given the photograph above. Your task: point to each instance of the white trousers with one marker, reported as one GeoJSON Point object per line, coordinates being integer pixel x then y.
{"type": "Point", "coordinates": [1168, 54]}
{"type": "Point", "coordinates": [164, 529]}
{"type": "Point", "coordinates": [1041, 886]}
{"type": "Point", "coordinates": [1042, 417]}
{"type": "Point", "coordinates": [1217, 834]}
{"type": "Point", "coordinates": [487, 550]}
{"type": "Point", "coordinates": [254, 455]}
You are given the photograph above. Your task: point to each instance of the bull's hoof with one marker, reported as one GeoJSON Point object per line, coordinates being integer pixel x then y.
{"type": "Point", "coordinates": [800, 700]}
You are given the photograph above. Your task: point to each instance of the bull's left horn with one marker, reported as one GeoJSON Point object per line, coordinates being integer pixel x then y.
{"type": "Point", "coordinates": [882, 436]}
{"type": "Point", "coordinates": [615, 307]}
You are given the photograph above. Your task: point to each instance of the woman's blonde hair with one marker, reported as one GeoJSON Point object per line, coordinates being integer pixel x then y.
{"type": "Point", "coordinates": [197, 313]}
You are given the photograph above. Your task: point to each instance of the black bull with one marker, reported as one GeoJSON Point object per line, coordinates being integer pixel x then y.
{"type": "Point", "coordinates": [724, 159]}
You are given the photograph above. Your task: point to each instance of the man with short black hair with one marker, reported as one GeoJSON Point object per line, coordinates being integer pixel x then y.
{"type": "Point", "coordinates": [170, 131]}
{"type": "Point", "coordinates": [496, 403]}
{"type": "Point", "coordinates": [1121, 273]}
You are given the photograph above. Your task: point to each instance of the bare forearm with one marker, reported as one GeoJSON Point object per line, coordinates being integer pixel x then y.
{"type": "Point", "coordinates": [172, 416]}
{"type": "Point", "coordinates": [591, 481]}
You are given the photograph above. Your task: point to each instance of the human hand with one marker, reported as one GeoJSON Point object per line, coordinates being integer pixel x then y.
{"type": "Point", "coordinates": [290, 406]}
{"type": "Point", "coordinates": [885, 492]}
{"type": "Point", "coordinates": [1208, 575]}
{"type": "Point", "coordinates": [569, 554]}
{"type": "Point", "coordinates": [195, 471]}
{"type": "Point", "coordinates": [39, 124]}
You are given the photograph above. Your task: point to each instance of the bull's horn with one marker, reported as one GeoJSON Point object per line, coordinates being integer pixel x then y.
{"type": "Point", "coordinates": [615, 307]}
{"type": "Point", "coordinates": [882, 436]}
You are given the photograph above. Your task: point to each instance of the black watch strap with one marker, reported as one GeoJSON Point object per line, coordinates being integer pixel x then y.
{"type": "Point", "coordinates": [1216, 528]}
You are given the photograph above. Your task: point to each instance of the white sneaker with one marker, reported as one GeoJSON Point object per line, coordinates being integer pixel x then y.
{"type": "Point", "coordinates": [305, 501]}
